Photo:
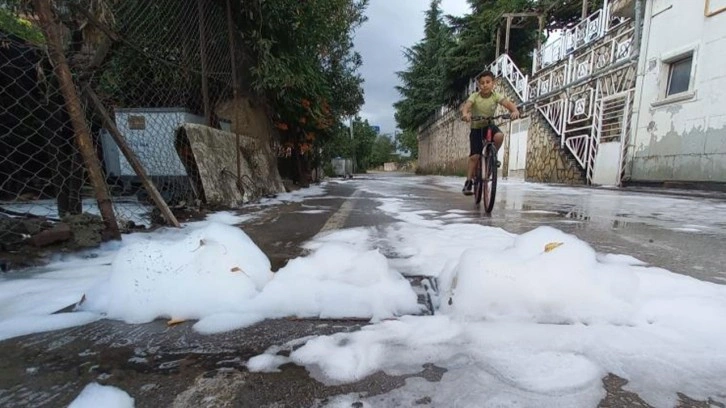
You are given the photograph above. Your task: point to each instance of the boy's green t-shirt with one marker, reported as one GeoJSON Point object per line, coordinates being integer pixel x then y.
{"type": "Point", "coordinates": [482, 106]}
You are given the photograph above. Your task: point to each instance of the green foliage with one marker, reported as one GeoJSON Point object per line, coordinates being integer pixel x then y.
{"type": "Point", "coordinates": [383, 150]}
{"type": "Point", "coordinates": [11, 24]}
{"type": "Point", "coordinates": [302, 59]}
{"type": "Point", "coordinates": [407, 141]}
{"type": "Point", "coordinates": [340, 143]}
{"type": "Point", "coordinates": [566, 13]}
{"type": "Point", "coordinates": [159, 63]}
{"type": "Point", "coordinates": [364, 136]}
{"type": "Point", "coordinates": [295, 58]}
{"type": "Point", "coordinates": [476, 43]}
{"type": "Point", "coordinates": [423, 86]}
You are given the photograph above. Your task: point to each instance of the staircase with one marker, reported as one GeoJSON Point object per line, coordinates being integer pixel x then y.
{"type": "Point", "coordinates": [548, 160]}
{"type": "Point", "coordinates": [583, 91]}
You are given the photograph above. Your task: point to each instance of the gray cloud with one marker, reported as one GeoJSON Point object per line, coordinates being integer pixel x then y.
{"type": "Point", "coordinates": [392, 25]}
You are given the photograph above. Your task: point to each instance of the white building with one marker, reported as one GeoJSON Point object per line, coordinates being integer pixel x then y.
{"type": "Point", "coordinates": [679, 115]}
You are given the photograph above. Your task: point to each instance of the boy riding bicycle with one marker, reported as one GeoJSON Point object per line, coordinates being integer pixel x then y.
{"type": "Point", "coordinates": [483, 103]}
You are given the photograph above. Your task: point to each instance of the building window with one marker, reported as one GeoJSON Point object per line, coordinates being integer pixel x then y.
{"type": "Point", "coordinates": [679, 76]}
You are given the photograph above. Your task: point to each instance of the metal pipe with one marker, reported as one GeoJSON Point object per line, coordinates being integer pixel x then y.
{"type": "Point", "coordinates": [638, 33]}
{"type": "Point", "coordinates": [353, 145]}
{"type": "Point", "coordinates": [638, 25]}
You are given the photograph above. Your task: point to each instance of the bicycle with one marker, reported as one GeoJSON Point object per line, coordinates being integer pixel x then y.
{"type": "Point", "coordinates": [485, 179]}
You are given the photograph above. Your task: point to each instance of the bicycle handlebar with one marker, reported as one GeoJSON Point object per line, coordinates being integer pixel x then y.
{"type": "Point", "coordinates": [490, 118]}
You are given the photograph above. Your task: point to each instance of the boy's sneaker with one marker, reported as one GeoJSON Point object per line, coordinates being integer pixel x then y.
{"type": "Point", "coordinates": [467, 190]}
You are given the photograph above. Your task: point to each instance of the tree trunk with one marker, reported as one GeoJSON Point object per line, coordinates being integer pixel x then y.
{"type": "Point", "coordinates": [75, 111]}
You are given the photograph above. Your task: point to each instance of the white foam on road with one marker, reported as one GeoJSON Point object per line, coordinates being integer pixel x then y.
{"type": "Point", "coordinates": [148, 266]}
{"type": "Point", "coordinates": [535, 320]}
{"type": "Point", "coordinates": [535, 328]}
{"type": "Point", "coordinates": [296, 196]}
{"type": "Point", "coordinates": [95, 395]}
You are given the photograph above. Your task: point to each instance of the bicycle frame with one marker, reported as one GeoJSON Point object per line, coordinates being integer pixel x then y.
{"type": "Point", "coordinates": [485, 180]}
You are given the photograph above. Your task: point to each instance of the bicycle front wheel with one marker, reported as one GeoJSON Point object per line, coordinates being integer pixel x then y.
{"type": "Point", "coordinates": [478, 185]}
{"type": "Point", "coordinates": [489, 177]}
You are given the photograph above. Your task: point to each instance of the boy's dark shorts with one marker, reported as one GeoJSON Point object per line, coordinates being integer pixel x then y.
{"type": "Point", "coordinates": [476, 139]}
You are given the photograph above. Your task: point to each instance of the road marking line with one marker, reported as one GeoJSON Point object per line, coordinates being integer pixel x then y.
{"type": "Point", "coordinates": [337, 220]}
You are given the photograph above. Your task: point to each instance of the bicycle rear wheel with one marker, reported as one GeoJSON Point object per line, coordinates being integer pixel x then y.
{"type": "Point", "coordinates": [478, 185]}
{"type": "Point", "coordinates": [489, 177]}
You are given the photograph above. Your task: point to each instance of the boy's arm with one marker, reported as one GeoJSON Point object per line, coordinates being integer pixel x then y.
{"type": "Point", "coordinates": [466, 111]}
{"type": "Point", "coordinates": [511, 107]}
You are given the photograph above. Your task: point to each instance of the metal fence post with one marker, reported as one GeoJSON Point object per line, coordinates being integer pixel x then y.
{"type": "Point", "coordinates": [235, 86]}
{"type": "Point", "coordinates": [84, 141]}
{"type": "Point", "coordinates": [203, 56]}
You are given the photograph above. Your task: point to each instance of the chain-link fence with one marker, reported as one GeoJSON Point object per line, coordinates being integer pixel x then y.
{"type": "Point", "coordinates": [41, 172]}
{"type": "Point", "coordinates": [170, 65]}
{"type": "Point", "coordinates": [149, 67]}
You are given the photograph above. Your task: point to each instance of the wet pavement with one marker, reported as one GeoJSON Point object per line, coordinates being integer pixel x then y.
{"type": "Point", "coordinates": [163, 366]}
{"type": "Point", "coordinates": [682, 234]}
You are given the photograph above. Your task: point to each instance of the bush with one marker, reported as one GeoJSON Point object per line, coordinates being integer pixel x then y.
{"type": "Point", "coordinates": [20, 27]}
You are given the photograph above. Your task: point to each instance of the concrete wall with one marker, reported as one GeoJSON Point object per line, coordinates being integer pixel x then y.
{"type": "Point", "coordinates": [443, 147]}
{"type": "Point", "coordinates": [683, 137]}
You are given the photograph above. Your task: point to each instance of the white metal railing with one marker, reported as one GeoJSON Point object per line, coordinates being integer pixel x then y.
{"type": "Point", "coordinates": [579, 146]}
{"type": "Point", "coordinates": [552, 80]}
{"type": "Point", "coordinates": [438, 114]}
{"type": "Point", "coordinates": [582, 120]}
{"type": "Point", "coordinates": [556, 77]}
{"type": "Point", "coordinates": [578, 67]}
{"type": "Point", "coordinates": [505, 67]}
{"type": "Point", "coordinates": [554, 113]}
{"type": "Point", "coordinates": [551, 53]}
{"type": "Point", "coordinates": [595, 26]}
{"type": "Point", "coordinates": [595, 137]}
{"type": "Point", "coordinates": [586, 31]}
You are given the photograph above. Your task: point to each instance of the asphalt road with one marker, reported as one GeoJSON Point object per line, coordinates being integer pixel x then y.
{"type": "Point", "coordinates": [174, 366]}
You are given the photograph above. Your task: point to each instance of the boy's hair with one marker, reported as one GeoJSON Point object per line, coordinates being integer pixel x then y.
{"type": "Point", "coordinates": [489, 74]}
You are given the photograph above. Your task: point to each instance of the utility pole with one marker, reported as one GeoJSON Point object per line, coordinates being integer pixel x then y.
{"type": "Point", "coordinates": [506, 38]}
{"type": "Point", "coordinates": [352, 141]}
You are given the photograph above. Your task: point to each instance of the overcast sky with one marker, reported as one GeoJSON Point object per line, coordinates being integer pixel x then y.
{"type": "Point", "coordinates": [392, 25]}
